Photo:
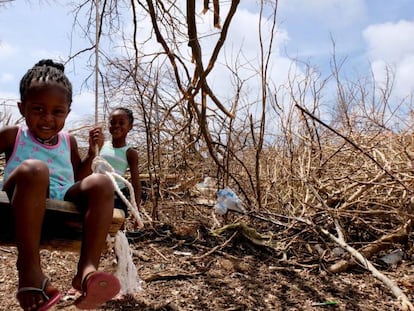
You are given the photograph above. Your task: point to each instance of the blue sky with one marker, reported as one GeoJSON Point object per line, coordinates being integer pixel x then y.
{"type": "Point", "coordinates": [368, 33]}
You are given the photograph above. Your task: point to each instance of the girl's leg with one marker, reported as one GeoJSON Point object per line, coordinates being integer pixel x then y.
{"type": "Point", "coordinates": [95, 194]}
{"type": "Point", "coordinates": [27, 188]}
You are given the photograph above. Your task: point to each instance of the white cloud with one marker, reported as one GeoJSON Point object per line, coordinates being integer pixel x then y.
{"type": "Point", "coordinates": [83, 107]}
{"type": "Point", "coordinates": [6, 50]}
{"type": "Point", "coordinates": [390, 42]}
{"type": "Point", "coordinates": [243, 43]}
{"type": "Point", "coordinates": [391, 45]}
{"type": "Point", "coordinates": [39, 54]}
{"type": "Point", "coordinates": [330, 13]}
{"type": "Point", "coordinates": [405, 76]}
{"type": "Point", "coordinates": [6, 77]}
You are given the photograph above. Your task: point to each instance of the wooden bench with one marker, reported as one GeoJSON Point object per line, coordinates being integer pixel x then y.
{"type": "Point", "coordinates": [62, 227]}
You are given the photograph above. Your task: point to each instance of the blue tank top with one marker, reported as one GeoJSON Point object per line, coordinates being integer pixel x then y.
{"type": "Point", "coordinates": [57, 158]}
{"type": "Point", "coordinates": [117, 158]}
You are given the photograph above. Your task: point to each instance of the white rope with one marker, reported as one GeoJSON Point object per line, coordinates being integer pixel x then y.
{"type": "Point", "coordinates": [126, 271]}
{"type": "Point", "coordinates": [100, 165]}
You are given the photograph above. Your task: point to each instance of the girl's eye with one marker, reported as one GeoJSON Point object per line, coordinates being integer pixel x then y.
{"type": "Point", "coordinates": [59, 113]}
{"type": "Point", "coordinates": [114, 123]}
{"type": "Point", "coordinates": [38, 109]}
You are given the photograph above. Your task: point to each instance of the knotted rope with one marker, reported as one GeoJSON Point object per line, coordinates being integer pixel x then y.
{"type": "Point", "coordinates": [100, 165]}
{"type": "Point", "coordinates": [126, 271]}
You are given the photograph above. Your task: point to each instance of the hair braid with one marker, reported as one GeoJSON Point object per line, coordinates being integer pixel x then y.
{"type": "Point", "coordinates": [128, 112]}
{"type": "Point", "coordinates": [45, 73]}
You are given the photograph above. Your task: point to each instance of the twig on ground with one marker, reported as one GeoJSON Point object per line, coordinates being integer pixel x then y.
{"type": "Point", "coordinates": [158, 252]}
{"type": "Point", "coordinates": [224, 254]}
{"type": "Point", "coordinates": [217, 247]}
{"type": "Point", "coordinates": [171, 276]}
{"type": "Point", "coordinates": [368, 251]}
{"type": "Point", "coordinates": [405, 303]}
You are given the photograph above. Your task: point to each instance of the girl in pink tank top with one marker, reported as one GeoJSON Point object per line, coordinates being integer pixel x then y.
{"type": "Point", "coordinates": [42, 162]}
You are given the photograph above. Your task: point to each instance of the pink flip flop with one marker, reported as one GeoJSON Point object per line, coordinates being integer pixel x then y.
{"type": "Point", "coordinates": [50, 300]}
{"type": "Point", "coordinates": [97, 288]}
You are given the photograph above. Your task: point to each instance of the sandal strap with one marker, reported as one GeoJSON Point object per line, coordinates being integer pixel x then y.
{"type": "Point", "coordinates": [85, 279]}
{"type": "Point", "coordinates": [35, 289]}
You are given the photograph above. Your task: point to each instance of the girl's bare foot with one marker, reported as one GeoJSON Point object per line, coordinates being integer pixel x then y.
{"type": "Point", "coordinates": [38, 297]}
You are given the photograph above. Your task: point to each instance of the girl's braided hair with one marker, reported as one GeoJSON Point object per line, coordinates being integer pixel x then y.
{"type": "Point", "coordinates": [45, 73]}
{"type": "Point", "coordinates": [127, 111]}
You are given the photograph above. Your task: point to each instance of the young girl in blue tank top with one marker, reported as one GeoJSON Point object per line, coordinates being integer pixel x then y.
{"type": "Point", "coordinates": [121, 156]}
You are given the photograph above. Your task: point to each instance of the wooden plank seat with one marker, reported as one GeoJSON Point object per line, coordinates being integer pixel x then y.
{"type": "Point", "coordinates": [62, 226]}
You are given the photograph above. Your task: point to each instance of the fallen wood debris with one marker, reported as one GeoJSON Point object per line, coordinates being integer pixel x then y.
{"type": "Point", "coordinates": [398, 293]}
{"type": "Point", "coordinates": [383, 243]}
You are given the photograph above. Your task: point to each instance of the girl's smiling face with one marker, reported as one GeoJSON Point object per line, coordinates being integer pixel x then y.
{"type": "Point", "coordinates": [119, 125]}
{"type": "Point", "coordinates": [45, 110]}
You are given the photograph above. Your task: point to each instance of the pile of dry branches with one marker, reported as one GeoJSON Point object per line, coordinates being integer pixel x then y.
{"type": "Point", "coordinates": [357, 187]}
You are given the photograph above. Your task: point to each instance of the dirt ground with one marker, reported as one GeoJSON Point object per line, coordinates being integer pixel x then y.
{"type": "Point", "coordinates": [184, 267]}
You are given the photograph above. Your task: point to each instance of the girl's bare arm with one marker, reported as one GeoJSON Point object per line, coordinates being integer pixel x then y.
{"type": "Point", "coordinates": [132, 157]}
{"type": "Point", "coordinates": [7, 139]}
{"type": "Point", "coordinates": [83, 167]}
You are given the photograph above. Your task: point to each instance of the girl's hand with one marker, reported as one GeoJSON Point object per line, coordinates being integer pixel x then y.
{"type": "Point", "coordinates": [96, 139]}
